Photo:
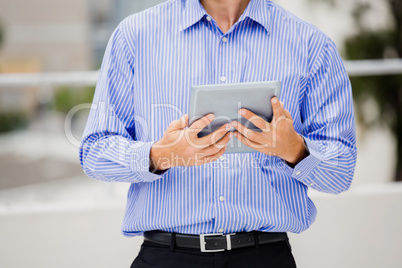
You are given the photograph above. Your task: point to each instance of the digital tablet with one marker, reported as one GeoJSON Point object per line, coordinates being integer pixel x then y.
{"type": "Point", "coordinates": [225, 100]}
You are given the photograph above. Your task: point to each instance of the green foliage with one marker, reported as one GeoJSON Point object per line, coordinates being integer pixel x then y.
{"type": "Point", "coordinates": [1, 34]}
{"type": "Point", "coordinates": [66, 98]}
{"type": "Point", "coordinates": [12, 120]}
{"type": "Point", "coordinates": [383, 89]}
{"type": "Point", "coordinates": [386, 91]}
{"type": "Point", "coordinates": [368, 45]}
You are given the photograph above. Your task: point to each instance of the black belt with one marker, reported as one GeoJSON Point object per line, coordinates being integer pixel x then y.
{"type": "Point", "coordinates": [214, 242]}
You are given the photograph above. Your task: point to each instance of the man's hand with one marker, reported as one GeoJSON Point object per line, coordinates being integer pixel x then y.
{"type": "Point", "coordinates": [180, 146]}
{"type": "Point", "coordinates": [277, 138]}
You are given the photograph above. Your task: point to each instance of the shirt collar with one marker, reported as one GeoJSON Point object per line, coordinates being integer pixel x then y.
{"type": "Point", "coordinates": [192, 13]}
{"type": "Point", "coordinates": [257, 10]}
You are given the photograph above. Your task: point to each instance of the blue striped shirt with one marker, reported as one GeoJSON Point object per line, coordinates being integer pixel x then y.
{"type": "Point", "coordinates": [152, 60]}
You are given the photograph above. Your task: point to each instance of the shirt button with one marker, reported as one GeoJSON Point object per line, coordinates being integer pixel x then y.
{"type": "Point", "coordinates": [209, 18]}
{"type": "Point", "coordinates": [221, 230]}
{"type": "Point", "coordinates": [224, 39]}
{"type": "Point", "coordinates": [222, 198]}
{"type": "Point", "coordinates": [223, 78]}
{"type": "Point", "coordinates": [298, 173]}
{"type": "Point", "coordinates": [222, 158]}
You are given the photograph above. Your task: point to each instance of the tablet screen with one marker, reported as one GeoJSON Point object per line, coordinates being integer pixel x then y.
{"type": "Point", "coordinates": [225, 100]}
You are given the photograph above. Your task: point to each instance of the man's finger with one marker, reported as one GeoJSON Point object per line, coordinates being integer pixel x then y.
{"type": "Point", "coordinates": [258, 121]}
{"type": "Point", "coordinates": [258, 137]}
{"type": "Point", "coordinates": [214, 148]}
{"type": "Point", "coordinates": [224, 140]}
{"type": "Point", "coordinates": [201, 123]}
{"type": "Point", "coordinates": [215, 136]}
{"type": "Point", "coordinates": [216, 156]}
{"type": "Point", "coordinates": [178, 124]}
{"type": "Point", "coordinates": [255, 145]}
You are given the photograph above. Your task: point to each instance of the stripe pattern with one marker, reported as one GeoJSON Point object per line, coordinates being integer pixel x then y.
{"type": "Point", "coordinates": [152, 60]}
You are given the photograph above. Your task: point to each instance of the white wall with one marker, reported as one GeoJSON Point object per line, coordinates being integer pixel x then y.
{"type": "Point", "coordinates": [361, 228]}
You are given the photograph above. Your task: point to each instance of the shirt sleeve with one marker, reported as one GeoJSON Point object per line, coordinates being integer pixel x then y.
{"type": "Point", "coordinates": [328, 126]}
{"type": "Point", "coordinates": [109, 150]}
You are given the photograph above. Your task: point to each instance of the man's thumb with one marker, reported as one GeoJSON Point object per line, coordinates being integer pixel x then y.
{"type": "Point", "coordinates": [277, 107]}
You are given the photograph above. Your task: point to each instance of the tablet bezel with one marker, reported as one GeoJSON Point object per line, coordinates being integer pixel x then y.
{"type": "Point", "coordinates": [225, 112]}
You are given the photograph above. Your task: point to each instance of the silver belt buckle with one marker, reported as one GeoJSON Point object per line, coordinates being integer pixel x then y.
{"type": "Point", "coordinates": [203, 242]}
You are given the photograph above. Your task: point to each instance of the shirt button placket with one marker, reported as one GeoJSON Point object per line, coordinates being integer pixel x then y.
{"type": "Point", "coordinates": [220, 191]}
{"type": "Point", "coordinates": [222, 61]}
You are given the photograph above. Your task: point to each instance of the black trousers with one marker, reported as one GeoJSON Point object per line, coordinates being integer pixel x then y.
{"type": "Point", "coordinates": [273, 255]}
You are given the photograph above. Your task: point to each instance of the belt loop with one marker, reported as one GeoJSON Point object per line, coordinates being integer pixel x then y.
{"type": "Point", "coordinates": [256, 240]}
{"type": "Point", "coordinates": [172, 242]}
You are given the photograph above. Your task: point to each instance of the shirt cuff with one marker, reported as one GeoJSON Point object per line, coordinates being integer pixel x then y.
{"type": "Point", "coordinates": [302, 170]}
{"type": "Point", "coordinates": [141, 161]}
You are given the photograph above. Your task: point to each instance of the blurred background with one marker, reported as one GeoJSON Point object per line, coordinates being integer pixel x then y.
{"type": "Point", "coordinates": [52, 215]}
